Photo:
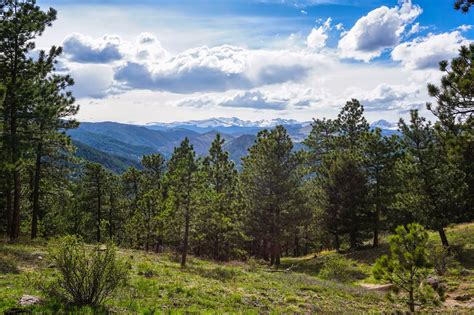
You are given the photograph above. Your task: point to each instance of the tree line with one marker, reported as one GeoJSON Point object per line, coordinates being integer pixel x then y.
{"type": "Point", "coordinates": [349, 185]}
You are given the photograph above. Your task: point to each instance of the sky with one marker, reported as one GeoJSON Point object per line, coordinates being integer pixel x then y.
{"type": "Point", "coordinates": [149, 61]}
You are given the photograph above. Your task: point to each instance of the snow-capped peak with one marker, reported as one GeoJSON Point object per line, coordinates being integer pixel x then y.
{"type": "Point", "coordinates": [383, 124]}
{"type": "Point", "coordinates": [228, 122]}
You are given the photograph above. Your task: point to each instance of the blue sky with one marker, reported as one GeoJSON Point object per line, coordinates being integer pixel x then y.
{"type": "Point", "coordinates": [147, 61]}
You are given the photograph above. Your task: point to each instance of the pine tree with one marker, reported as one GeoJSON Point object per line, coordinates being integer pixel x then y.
{"type": "Point", "coordinates": [432, 186]}
{"type": "Point", "coordinates": [380, 156]}
{"type": "Point", "coordinates": [343, 196]}
{"type": "Point", "coordinates": [271, 183]}
{"type": "Point", "coordinates": [21, 23]}
{"type": "Point", "coordinates": [94, 182]}
{"type": "Point", "coordinates": [407, 267]}
{"type": "Point", "coordinates": [182, 183]}
{"type": "Point", "coordinates": [51, 113]}
{"type": "Point", "coordinates": [220, 224]}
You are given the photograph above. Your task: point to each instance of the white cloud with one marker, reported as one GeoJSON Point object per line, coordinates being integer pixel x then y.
{"type": "Point", "coordinates": [427, 52]}
{"type": "Point", "coordinates": [465, 27]}
{"type": "Point", "coordinates": [216, 69]}
{"type": "Point", "coordinates": [380, 29]}
{"type": "Point", "coordinates": [318, 36]}
{"type": "Point", "coordinates": [94, 81]}
{"type": "Point", "coordinates": [284, 96]}
{"type": "Point", "coordinates": [340, 27]}
{"type": "Point", "coordinates": [85, 49]}
{"type": "Point", "coordinates": [390, 97]}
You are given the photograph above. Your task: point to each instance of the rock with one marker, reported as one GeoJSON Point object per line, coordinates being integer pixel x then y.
{"type": "Point", "coordinates": [377, 287]}
{"type": "Point", "coordinates": [464, 297]}
{"type": "Point", "coordinates": [27, 300]}
{"type": "Point", "coordinates": [434, 282]}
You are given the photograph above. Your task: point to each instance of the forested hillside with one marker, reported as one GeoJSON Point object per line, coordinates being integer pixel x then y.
{"type": "Point", "coordinates": [211, 197]}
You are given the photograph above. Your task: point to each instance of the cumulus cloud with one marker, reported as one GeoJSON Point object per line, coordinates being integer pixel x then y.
{"type": "Point", "coordinates": [93, 81]}
{"type": "Point", "coordinates": [84, 49]}
{"type": "Point", "coordinates": [318, 36]}
{"type": "Point", "coordinates": [389, 97]}
{"type": "Point", "coordinates": [380, 29]}
{"type": "Point", "coordinates": [286, 96]}
{"type": "Point", "coordinates": [217, 69]}
{"type": "Point", "coordinates": [427, 52]}
{"type": "Point", "coordinates": [465, 27]}
{"type": "Point", "coordinates": [254, 99]}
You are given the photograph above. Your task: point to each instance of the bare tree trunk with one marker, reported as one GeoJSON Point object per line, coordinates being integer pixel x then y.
{"type": "Point", "coordinates": [15, 228]}
{"type": "Point", "coordinates": [99, 208]}
{"type": "Point", "coordinates": [375, 242]}
{"type": "Point", "coordinates": [36, 190]}
{"type": "Point", "coordinates": [8, 207]}
{"type": "Point", "coordinates": [185, 239]}
{"type": "Point", "coordinates": [444, 238]}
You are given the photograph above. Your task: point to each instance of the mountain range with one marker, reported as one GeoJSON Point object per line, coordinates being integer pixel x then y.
{"type": "Point", "coordinates": [118, 146]}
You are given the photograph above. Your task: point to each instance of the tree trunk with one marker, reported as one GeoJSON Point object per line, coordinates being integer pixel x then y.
{"type": "Point", "coordinates": [277, 254]}
{"type": "Point", "coordinates": [8, 206]}
{"type": "Point", "coordinates": [36, 190]}
{"type": "Point", "coordinates": [375, 242]}
{"type": "Point", "coordinates": [337, 243]}
{"type": "Point", "coordinates": [185, 239]}
{"type": "Point", "coordinates": [99, 209]}
{"type": "Point", "coordinates": [444, 239]}
{"type": "Point", "coordinates": [264, 250]}
{"type": "Point", "coordinates": [216, 248]}
{"type": "Point", "coordinates": [377, 217]}
{"type": "Point", "coordinates": [15, 228]}
{"type": "Point", "coordinates": [411, 301]}
{"type": "Point", "coordinates": [296, 250]}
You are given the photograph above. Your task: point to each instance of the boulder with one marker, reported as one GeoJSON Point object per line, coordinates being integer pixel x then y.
{"type": "Point", "coordinates": [27, 300]}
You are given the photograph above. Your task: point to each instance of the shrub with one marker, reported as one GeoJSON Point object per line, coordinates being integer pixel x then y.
{"type": "Point", "coordinates": [8, 265]}
{"type": "Point", "coordinates": [87, 276]}
{"type": "Point", "coordinates": [441, 259]}
{"type": "Point", "coordinates": [407, 267]}
{"type": "Point", "coordinates": [337, 267]}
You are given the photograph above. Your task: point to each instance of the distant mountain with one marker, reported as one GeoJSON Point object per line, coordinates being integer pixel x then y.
{"type": "Point", "coordinates": [231, 125]}
{"type": "Point", "coordinates": [116, 164]}
{"type": "Point", "coordinates": [383, 124]}
{"type": "Point", "coordinates": [227, 122]}
{"type": "Point", "coordinates": [118, 146]}
{"type": "Point", "coordinates": [388, 128]}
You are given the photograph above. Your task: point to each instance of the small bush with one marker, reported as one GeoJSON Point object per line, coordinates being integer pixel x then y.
{"type": "Point", "coordinates": [441, 259]}
{"type": "Point", "coordinates": [337, 267]}
{"type": "Point", "coordinates": [8, 265]}
{"type": "Point", "coordinates": [86, 276]}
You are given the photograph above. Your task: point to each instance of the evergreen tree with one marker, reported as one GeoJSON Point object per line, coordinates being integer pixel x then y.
{"type": "Point", "coordinates": [94, 184]}
{"type": "Point", "coordinates": [380, 156]}
{"type": "Point", "coordinates": [455, 109]}
{"type": "Point", "coordinates": [51, 113]}
{"type": "Point", "coordinates": [463, 5]}
{"type": "Point", "coordinates": [182, 182]}
{"type": "Point", "coordinates": [455, 96]}
{"type": "Point", "coordinates": [432, 186]}
{"type": "Point", "coordinates": [220, 224]}
{"type": "Point", "coordinates": [343, 196]}
{"type": "Point", "coordinates": [21, 22]}
{"type": "Point", "coordinates": [271, 183]}
{"type": "Point", "coordinates": [407, 267]}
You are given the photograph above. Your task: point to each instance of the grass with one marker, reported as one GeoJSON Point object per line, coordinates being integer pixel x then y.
{"type": "Point", "coordinates": [158, 284]}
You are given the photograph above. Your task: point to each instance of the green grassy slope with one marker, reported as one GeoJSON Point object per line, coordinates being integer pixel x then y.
{"type": "Point", "coordinates": [158, 283]}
